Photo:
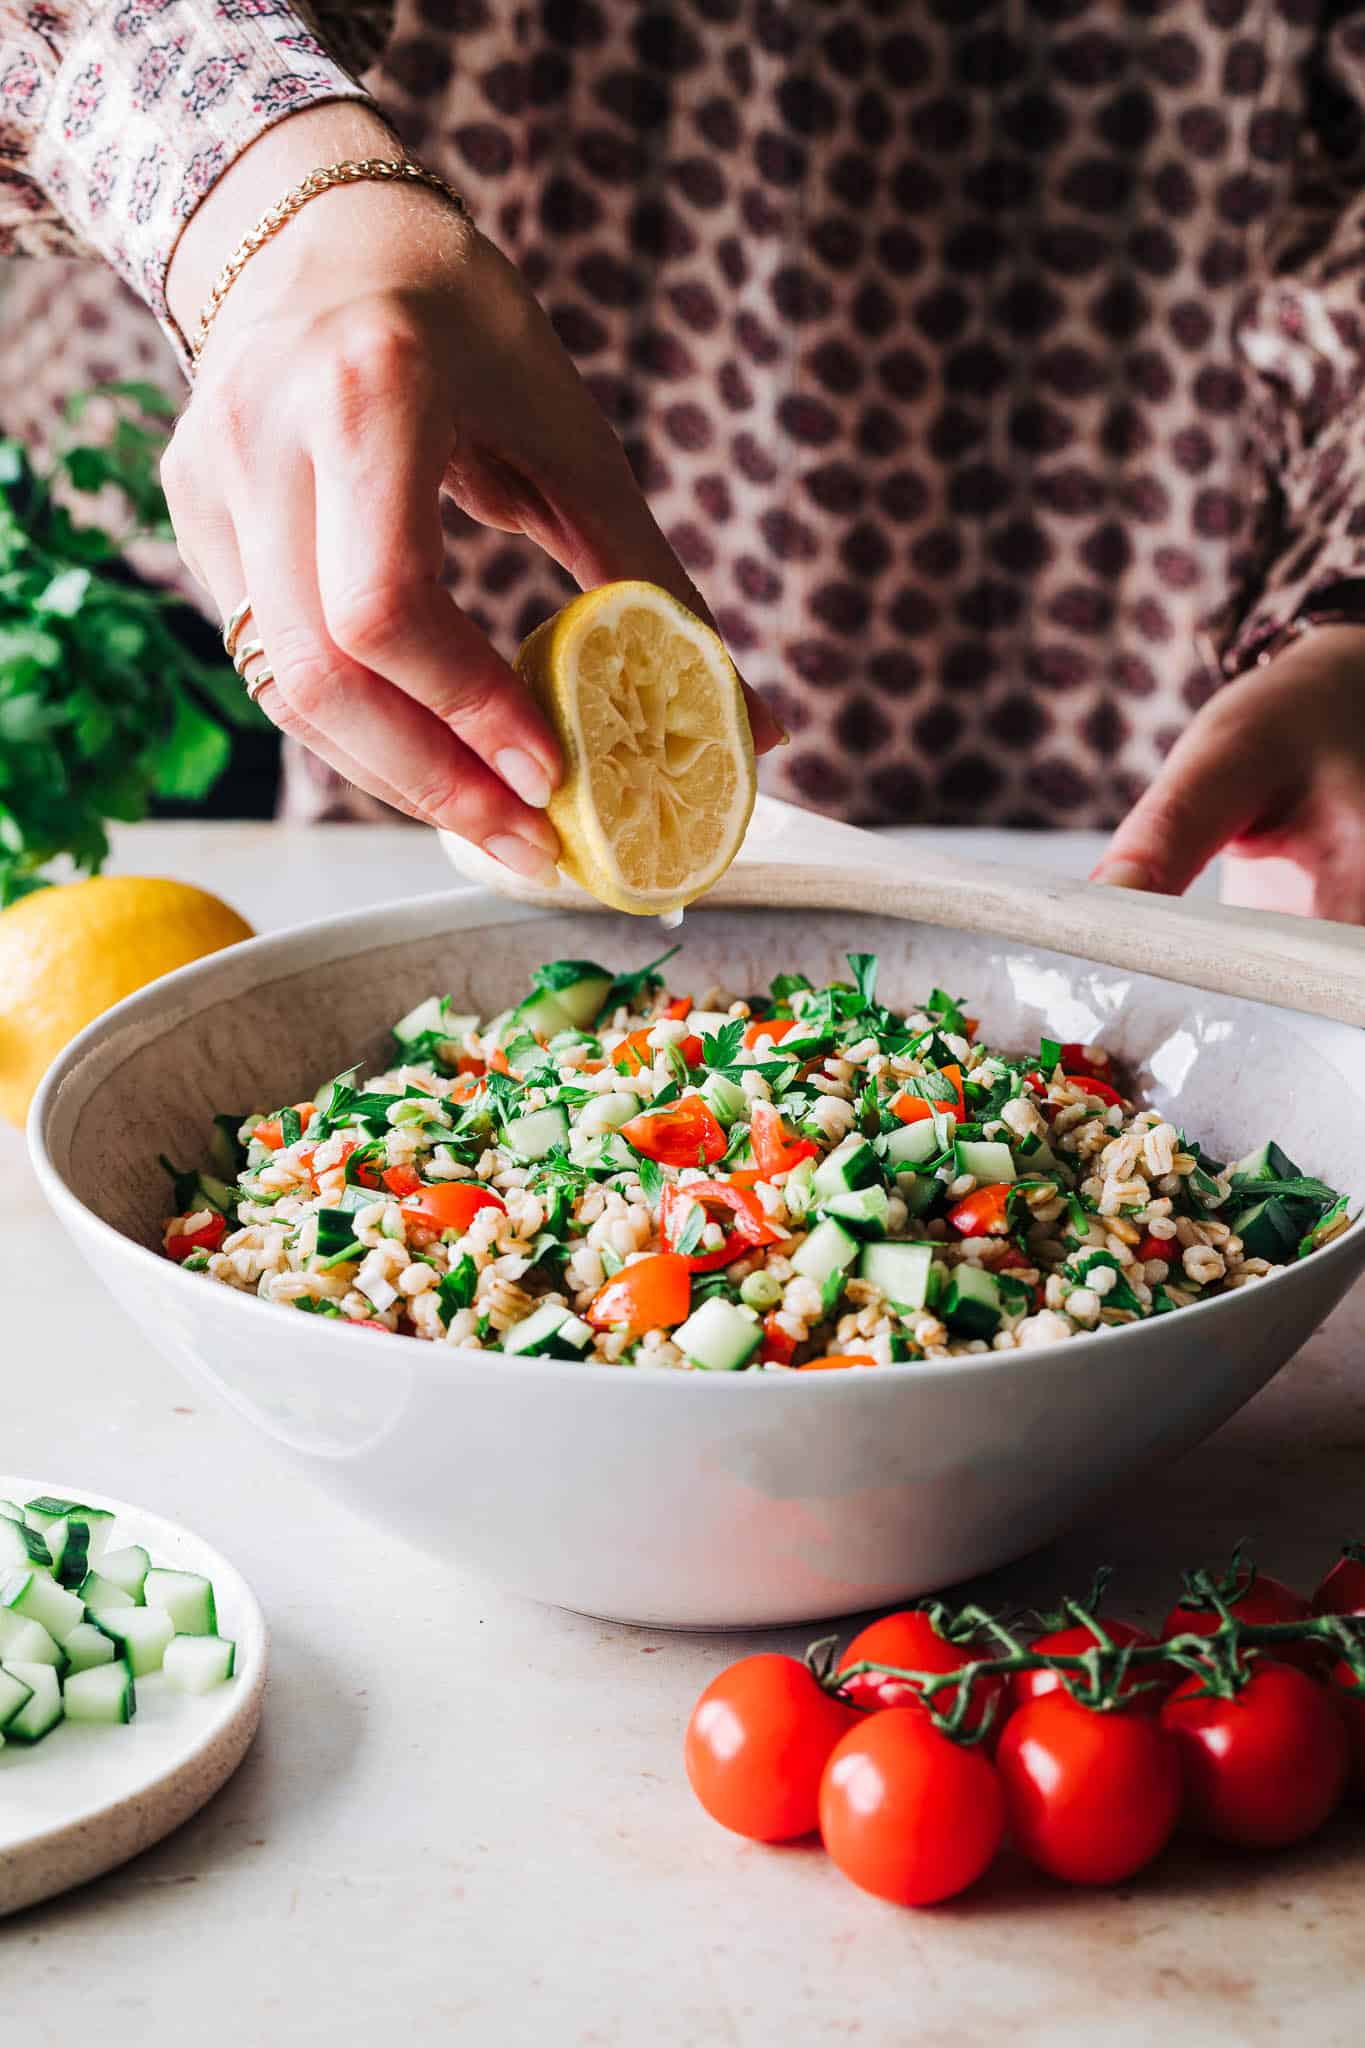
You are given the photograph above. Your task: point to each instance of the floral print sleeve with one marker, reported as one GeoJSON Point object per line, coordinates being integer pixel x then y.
{"type": "Point", "coordinates": [117, 116]}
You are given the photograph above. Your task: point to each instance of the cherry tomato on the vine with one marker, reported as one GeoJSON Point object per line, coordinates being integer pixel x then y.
{"type": "Point", "coordinates": [1265, 1767]}
{"type": "Point", "coordinates": [1259, 1599]}
{"type": "Point", "coordinates": [1350, 1698]}
{"type": "Point", "coordinates": [1092, 1796]}
{"type": "Point", "coordinates": [1342, 1590]}
{"type": "Point", "coordinates": [757, 1742]}
{"type": "Point", "coordinates": [1074, 1642]}
{"type": "Point", "coordinates": [910, 1640]}
{"type": "Point", "coordinates": [907, 1814]}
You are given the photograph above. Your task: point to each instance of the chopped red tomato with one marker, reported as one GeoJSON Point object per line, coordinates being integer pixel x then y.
{"type": "Point", "coordinates": [983, 1213]}
{"type": "Point", "coordinates": [684, 1134]}
{"type": "Point", "coordinates": [836, 1362]}
{"type": "Point", "coordinates": [450, 1204]}
{"type": "Point", "coordinates": [498, 1062]}
{"type": "Point", "coordinates": [1076, 1061]}
{"type": "Point", "coordinates": [1158, 1248]}
{"type": "Point", "coordinates": [779, 1345]}
{"type": "Point", "coordinates": [467, 1064]}
{"type": "Point", "coordinates": [270, 1132]}
{"type": "Point", "coordinates": [767, 1027]}
{"type": "Point", "coordinates": [677, 1007]}
{"type": "Point", "coordinates": [914, 1109]}
{"type": "Point", "coordinates": [401, 1180]}
{"type": "Point", "coordinates": [653, 1294]}
{"type": "Point", "coordinates": [774, 1150]}
{"type": "Point", "coordinates": [746, 1225]}
{"type": "Point", "coordinates": [465, 1088]}
{"type": "Point", "coordinates": [635, 1053]}
{"type": "Point", "coordinates": [1100, 1089]}
{"type": "Point", "coordinates": [207, 1238]}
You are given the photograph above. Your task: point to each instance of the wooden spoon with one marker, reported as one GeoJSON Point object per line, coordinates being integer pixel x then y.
{"type": "Point", "coordinates": [795, 859]}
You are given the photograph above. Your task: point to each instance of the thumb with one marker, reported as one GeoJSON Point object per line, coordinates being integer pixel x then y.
{"type": "Point", "coordinates": [1211, 789]}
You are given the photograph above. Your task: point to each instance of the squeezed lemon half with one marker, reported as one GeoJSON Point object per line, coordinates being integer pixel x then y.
{"type": "Point", "coordinates": [659, 758]}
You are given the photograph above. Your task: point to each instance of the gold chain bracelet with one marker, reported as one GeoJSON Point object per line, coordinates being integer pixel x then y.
{"type": "Point", "coordinates": [355, 172]}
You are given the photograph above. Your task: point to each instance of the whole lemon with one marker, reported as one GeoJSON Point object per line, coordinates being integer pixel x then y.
{"type": "Point", "coordinates": [69, 952]}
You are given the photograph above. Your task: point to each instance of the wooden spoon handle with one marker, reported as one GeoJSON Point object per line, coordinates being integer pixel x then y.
{"type": "Point", "coordinates": [794, 859]}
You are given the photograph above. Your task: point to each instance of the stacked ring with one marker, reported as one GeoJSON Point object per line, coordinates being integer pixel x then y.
{"type": "Point", "coordinates": [241, 653]}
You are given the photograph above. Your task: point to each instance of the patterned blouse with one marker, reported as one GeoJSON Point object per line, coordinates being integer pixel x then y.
{"type": "Point", "coordinates": [989, 362]}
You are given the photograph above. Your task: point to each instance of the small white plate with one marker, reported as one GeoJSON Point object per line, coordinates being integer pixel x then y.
{"type": "Point", "coordinates": [85, 1799]}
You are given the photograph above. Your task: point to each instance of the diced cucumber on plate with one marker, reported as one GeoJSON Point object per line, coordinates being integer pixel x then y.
{"type": "Point", "coordinates": [104, 1695]}
{"type": "Point", "coordinates": [187, 1597]}
{"type": "Point", "coordinates": [198, 1663]}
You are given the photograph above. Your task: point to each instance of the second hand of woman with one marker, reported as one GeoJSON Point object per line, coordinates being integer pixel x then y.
{"type": "Point", "coordinates": [377, 353]}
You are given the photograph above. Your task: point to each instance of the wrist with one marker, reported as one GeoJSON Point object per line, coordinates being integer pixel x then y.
{"type": "Point", "coordinates": [272, 166]}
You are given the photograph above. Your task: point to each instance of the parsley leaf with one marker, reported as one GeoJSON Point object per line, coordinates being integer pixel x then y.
{"type": "Point", "coordinates": [651, 1181]}
{"type": "Point", "coordinates": [291, 1128]}
{"type": "Point", "coordinates": [1049, 1054]}
{"type": "Point", "coordinates": [719, 1050]}
{"type": "Point", "coordinates": [557, 974]}
{"type": "Point", "coordinates": [864, 967]}
{"type": "Point", "coordinates": [689, 1237]}
{"type": "Point", "coordinates": [784, 986]}
{"type": "Point", "coordinates": [947, 1011]}
{"type": "Point", "coordinates": [630, 989]}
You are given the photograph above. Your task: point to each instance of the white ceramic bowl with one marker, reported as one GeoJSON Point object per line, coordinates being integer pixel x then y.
{"type": "Point", "coordinates": [687, 1499]}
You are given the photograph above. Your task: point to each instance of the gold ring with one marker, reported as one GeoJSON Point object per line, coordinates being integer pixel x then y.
{"type": "Point", "coordinates": [258, 683]}
{"type": "Point", "coordinates": [245, 653]}
{"type": "Point", "coordinates": [232, 630]}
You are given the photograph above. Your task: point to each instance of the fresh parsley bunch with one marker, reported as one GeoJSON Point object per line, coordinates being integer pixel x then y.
{"type": "Point", "coordinates": [101, 707]}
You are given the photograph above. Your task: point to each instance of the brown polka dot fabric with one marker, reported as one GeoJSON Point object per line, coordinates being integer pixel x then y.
{"type": "Point", "coordinates": [979, 356]}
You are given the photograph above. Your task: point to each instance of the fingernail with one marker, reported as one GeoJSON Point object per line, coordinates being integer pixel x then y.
{"type": "Point", "coordinates": [523, 858]}
{"type": "Point", "coordinates": [524, 775]}
{"type": "Point", "coordinates": [1123, 874]}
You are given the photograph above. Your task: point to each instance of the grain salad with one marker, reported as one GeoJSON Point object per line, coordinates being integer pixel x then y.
{"type": "Point", "coordinates": [803, 1180]}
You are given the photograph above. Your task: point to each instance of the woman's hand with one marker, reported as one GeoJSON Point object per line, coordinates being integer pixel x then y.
{"type": "Point", "coordinates": [377, 353]}
{"type": "Point", "coordinates": [1273, 765]}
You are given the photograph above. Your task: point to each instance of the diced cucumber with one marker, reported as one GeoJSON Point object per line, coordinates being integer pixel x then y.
{"type": "Point", "coordinates": [187, 1597]}
{"type": "Point", "coordinates": [607, 1153]}
{"type": "Point", "coordinates": [900, 1270]}
{"type": "Point", "coordinates": [549, 1329]}
{"type": "Point", "coordinates": [852, 1164]}
{"type": "Point", "coordinates": [27, 1642]}
{"type": "Point", "coordinates": [862, 1210]}
{"type": "Point", "coordinates": [10, 1511]}
{"type": "Point", "coordinates": [434, 1016]}
{"type": "Point", "coordinates": [37, 1597]}
{"type": "Point", "coordinates": [727, 1100]}
{"type": "Point", "coordinates": [542, 1015]}
{"type": "Point", "coordinates": [104, 1694]}
{"type": "Point", "coordinates": [127, 1569]}
{"type": "Point", "coordinates": [988, 1162]}
{"type": "Point", "coordinates": [971, 1304]}
{"type": "Point", "coordinates": [827, 1252]}
{"type": "Point", "coordinates": [46, 1509]}
{"type": "Point", "coordinates": [719, 1336]}
{"type": "Point", "coordinates": [537, 1134]}
{"type": "Point", "coordinates": [142, 1634]}
{"type": "Point", "coordinates": [88, 1646]}
{"type": "Point", "coordinates": [40, 1715]}
{"type": "Point", "coordinates": [1271, 1229]}
{"type": "Point", "coordinates": [22, 1548]}
{"type": "Point", "coordinates": [97, 1591]}
{"type": "Point", "coordinates": [14, 1694]}
{"type": "Point", "coordinates": [924, 1190]}
{"type": "Point", "coordinates": [579, 987]}
{"type": "Point", "coordinates": [914, 1144]}
{"type": "Point", "coordinates": [336, 1228]}
{"type": "Point", "coordinates": [75, 1559]}
{"type": "Point", "coordinates": [197, 1663]}
{"type": "Point", "coordinates": [1267, 1162]}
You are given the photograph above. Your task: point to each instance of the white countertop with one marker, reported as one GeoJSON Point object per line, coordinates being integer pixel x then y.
{"type": "Point", "coordinates": [465, 1819]}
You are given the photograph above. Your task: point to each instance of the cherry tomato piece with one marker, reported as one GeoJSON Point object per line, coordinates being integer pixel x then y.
{"type": "Point", "coordinates": [914, 1109]}
{"type": "Point", "coordinates": [984, 1212]}
{"type": "Point", "coordinates": [907, 1814]}
{"type": "Point", "coordinates": [684, 1134]}
{"type": "Point", "coordinates": [207, 1238]}
{"type": "Point", "coordinates": [1266, 1767]}
{"type": "Point", "coordinates": [677, 1007]}
{"type": "Point", "coordinates": [774, 1028]}
{"type": "Point", "coordinates": [401, 1180]}
{"type": "Point", "coordinates": [270, 1132]}
{"type": "Point", "coordinates": [1342, 1590]}
{"type": "Point", "coordinates": [779, 1345]}
{"type": "Point", "coordinates": [757, 1743]}
{"type": "Point", "coordinates": [1092, 1796]}
{"type": "Point", "coordinates": [450, 1204]}
{"type": "Point", "coordinates": [775, 1149]}
{"type": "Point", "coordinates": [1074, 1642]}
{"type": "Point", "coordinates": [910, 1640]}
{"type": "Point", "coordinates": [635, 1053]}
{"type": "Point", "coordinates": [1350, 1700]}
{"type": "Point", "coordinates": [652, 1294]}
{"type": "Point", "coordinates": [745, 1215]}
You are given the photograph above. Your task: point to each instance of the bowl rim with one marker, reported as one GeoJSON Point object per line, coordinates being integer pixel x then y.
{"type": "Point", "coordinates": [1344, 1249]}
